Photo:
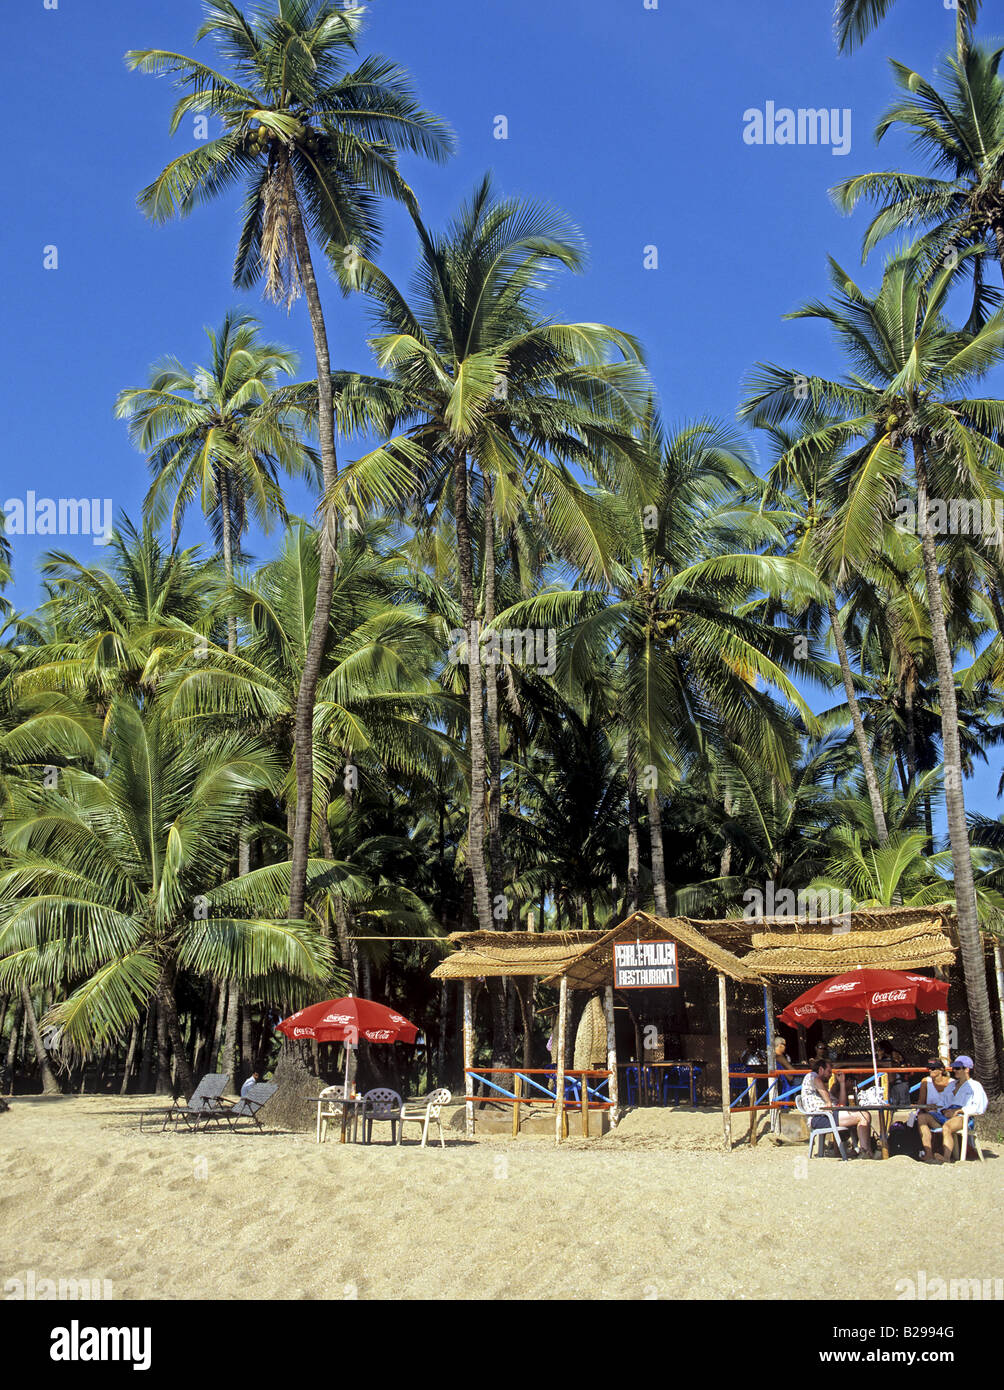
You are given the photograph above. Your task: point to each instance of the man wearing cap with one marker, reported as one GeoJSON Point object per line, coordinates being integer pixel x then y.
{"type": "Point", "coordinates": [962, 1097]}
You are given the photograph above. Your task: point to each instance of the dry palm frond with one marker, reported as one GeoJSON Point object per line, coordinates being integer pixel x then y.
{"type": "Point", "coordinates": [278, 249]}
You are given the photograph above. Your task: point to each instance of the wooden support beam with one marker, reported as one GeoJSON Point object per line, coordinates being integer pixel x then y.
{"type": "Point", "coordinates": [612, 1087]}
{"type": "Point", "coordinates": [468, 1059]}
{"type": "Point", "coordinates": [773, 1088]}
{"type": "Point", "coordinates": [559, 1060]}
{"type": "Point", "coordinates": [723, 1027]}
{"type": "Point", "coordinates": [944, 1049]}
{"type": "Point", "coordinates": [517, 1091]}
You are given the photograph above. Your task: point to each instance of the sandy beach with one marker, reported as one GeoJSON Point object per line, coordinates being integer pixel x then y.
{"type": "Point", "coordinates": [653, 1210]}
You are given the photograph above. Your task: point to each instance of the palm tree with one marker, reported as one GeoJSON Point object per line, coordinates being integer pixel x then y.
{"type": "Point", "coordinates": [376, 704]}
{"type": "Point", "coordinates": [854, 20]}
{"type": "Point", "coordinates": [104, 628]}
{"type": "Point", "coordinates": [957, 125]}
{"type": "Point", "coordinates": [312, 141]}
{"type": "Point", "coordinates": [489, 403]}
{"type": "Point", "coordinates": [799, 477]}
{"type": "Point", "coordinates": [103, 876]}
{"type": "Point", "coordinates": [907, 393]}
{"type": "Point", "coordinates": [694, 665]}
{"type": "Point", "coordinates": [218, 434]}
{"type": "Point", "coordinates": [5, 573]}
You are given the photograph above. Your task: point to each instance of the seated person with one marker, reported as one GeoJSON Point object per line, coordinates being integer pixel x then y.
{"type": "Point", "coordinates": [782, 1062]}
{"type": "Point", "coordinates": [750, 1057]}
{"type": "Point", "coordinates": [963, 1096]}
{"type": "Point", "coordinates": [816, 1097]}
{"type": "Point", "coordinates": [932, 1088]}
{"type": "Point", "coordinates": [899, 1087]}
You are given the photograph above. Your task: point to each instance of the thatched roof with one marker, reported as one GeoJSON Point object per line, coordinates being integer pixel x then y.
{"type": "Point", "coordinates": [592, 966]}
{"type": "Point", "coordinates": [488, 953]}
{"type": "Point", "coordinates": [890, 938]}
{"type": "Point", "coordinates": [736, 933]}
{"type": "Point", "coordinates": [918, 946]}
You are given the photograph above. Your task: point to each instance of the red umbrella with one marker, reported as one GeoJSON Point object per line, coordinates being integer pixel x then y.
{"type": "Point", "coordinates": [346, 1021]}
{"type": "Point", "coordinates": [860, 994]}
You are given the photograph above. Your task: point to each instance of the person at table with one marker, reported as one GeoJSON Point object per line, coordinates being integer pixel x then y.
{"type": "Point", "coordinates": [934, 1085]}
{"type": "Point", "coordinates": [962, 1097]}
{"type": "Point", "coordinates": [782, 1062]}
{"type": "Point", "coordinates": [817, 1097]}
{"type": "Point", "coordinates": [821, 1054]}
{"type": "Point", "coordinates": [899, 1087]}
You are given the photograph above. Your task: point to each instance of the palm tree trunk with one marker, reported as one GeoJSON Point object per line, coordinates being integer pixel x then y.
{"type": "Point", "coordinates": [130, 1057]}
{"type": "Point", "coordinates": [11, 1059]}
{"type": "Point", "coordinates": [725, 866]}
{"type": "Point", "coordinates": [149, 1040]}
{"type": "Point", "coordinates": [50, 1086]}
{"type": "Point", "coordinates": [633, 843]}
{"type": "Point", "coordinates": [476, 814]}
{"type": "Point", "coordinates": [231, 1043]}
{"type": "Point", "coordinates": [228, 554]}
{"type": "Point", "coordinates": [970, 942]}
{"type": "Point", "coordinates": [346, 948]}
{"type": "Point", "coordinates": [304, 723]}
{"type": "Point", "coordinates": [492, 717]}
{"type": "Point", "coordinates": [169, 1008]}
{"type": "Point", "coordinates": [658, 857]}
{"type": "Point", "coordinates": [871, 777]}
{"type": "Point", "coordinates": [342, 916]}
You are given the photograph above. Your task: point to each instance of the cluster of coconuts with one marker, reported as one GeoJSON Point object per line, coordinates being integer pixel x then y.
{"type": "Point", "coordinates": [258, 140]}
{"type": "Point", "coordinates": [667, 626]}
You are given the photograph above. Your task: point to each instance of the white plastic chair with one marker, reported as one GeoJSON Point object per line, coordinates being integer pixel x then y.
{"type": "Point", "coordinates": [430, 1111]}
{"type": "Point", "coordinates": [331, 1111]}
{"type": "Point", "coordinates": [823, 1130]}
{"type": "Point", "coordinates": [967, 1131]}
{"type": "Point", "coordinates": [382, 1104]}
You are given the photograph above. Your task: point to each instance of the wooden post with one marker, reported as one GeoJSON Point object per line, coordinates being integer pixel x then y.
{"type": "Point", "coordinates": [723, 1026]}
{"type": "Point", "coordinates": [584, 1102]}
{"type": "Point", "coordinates": [612, 1087]}
{"type": "Point", "coordinates": [468, 1060]}
{"type": "Point", "coordinates": [773, 1087]}
{"type": "Point", "coordinates": [517, 1092]}
{"type": "Point", "coordinates": [944, 1049]}
{"type": "Point", "coordinates": [559, 1060]}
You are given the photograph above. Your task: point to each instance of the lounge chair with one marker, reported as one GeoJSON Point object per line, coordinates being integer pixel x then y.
{"type": "Point", "coordinates": [206, 1098]}
{"type": "Point", "coordinates": [820, 1132]}
{"type": "Point", "coordinates": [424, 1113]}
{"type": "Point", "coordinates": [381, 1104]}
{"type": "Point", "coordinates": [247, 1107]}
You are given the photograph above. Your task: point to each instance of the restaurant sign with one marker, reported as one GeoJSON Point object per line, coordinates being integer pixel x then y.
{"type": "Point", "coordinates": [645, 965]}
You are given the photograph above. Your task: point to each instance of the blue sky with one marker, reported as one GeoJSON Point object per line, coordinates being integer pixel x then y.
{"type": "Point", "coordinates": [631, 119]}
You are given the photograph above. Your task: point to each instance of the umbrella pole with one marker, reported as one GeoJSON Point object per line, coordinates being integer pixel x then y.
{"type": "Point", "coordinates": [871, 1035]}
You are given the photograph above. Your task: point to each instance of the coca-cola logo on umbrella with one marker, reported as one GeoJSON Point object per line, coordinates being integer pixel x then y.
{"type": "Point", "coordinates": [890, 996]}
